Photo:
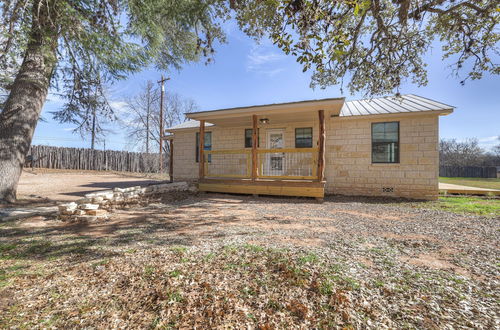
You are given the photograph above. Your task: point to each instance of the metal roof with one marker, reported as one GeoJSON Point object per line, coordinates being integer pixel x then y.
{"type": "Point", "coordinates": [375, 106]}
{"type": "Point", "coordinates": [188, 124]}
{"type": "Point", "coordinates": [391, 104]}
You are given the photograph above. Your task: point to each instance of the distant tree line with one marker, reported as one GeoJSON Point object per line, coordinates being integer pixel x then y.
{"type": "Point", "coordinates": [467, 153]}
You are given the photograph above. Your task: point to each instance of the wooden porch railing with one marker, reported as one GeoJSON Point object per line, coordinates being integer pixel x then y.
{"type": "Point", "coordinates": [303, 163]}
{"type": "Point", "coordinates": [286, 164]}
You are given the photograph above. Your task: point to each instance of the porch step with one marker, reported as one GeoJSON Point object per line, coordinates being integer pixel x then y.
{"type": "Point", "coordinates": [276, 188]}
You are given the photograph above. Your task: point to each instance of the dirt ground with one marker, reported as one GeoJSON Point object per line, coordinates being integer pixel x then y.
{"type": "Point", "coordinates": [184, 219]}
{"type": "Point", "coordinates": [216, 260]}
{"type": "Point", "coordinates": [60, 185]}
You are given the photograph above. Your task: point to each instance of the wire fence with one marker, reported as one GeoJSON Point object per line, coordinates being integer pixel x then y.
{"type": "Point", "coordinates": [290, 163]}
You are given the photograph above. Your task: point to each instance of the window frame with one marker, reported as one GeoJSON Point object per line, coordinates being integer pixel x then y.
{"type": "Point", "coordinates": [245, 137]}
{"type": "Point", "coordinates": [398, 152]}
{"type": "Point", "coordinates": [312, 135]}
{"type": "Point", "coordinates": [197, 147]}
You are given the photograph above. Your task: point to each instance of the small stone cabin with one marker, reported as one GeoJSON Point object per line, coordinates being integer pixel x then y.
{"type": "Point", "coordinates": [375, 147]}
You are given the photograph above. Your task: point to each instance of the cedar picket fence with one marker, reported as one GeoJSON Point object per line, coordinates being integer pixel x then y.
{"type": "Point", "coordinates": [99, 160]}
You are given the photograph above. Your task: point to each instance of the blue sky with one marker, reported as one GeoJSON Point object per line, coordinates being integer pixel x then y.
{"type": "Point", "coordinates": [247, 73]}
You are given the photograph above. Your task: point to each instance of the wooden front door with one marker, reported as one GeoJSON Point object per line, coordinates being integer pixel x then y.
{"type": "Point", "coordinates": [275, 162]}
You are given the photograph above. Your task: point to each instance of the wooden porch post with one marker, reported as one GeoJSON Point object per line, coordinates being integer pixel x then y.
{"type": "Point", "coordinates": [201, 149]}
{"type": "Point", "coordinates": [254, 147]}
{"type": "Point", "coordinates": [171, 160]}
{"type": "Point", "coordinates": [321, 146]}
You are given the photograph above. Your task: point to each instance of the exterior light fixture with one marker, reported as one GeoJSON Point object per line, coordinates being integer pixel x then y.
{"type": "Point", "coordinates": [264, 121]}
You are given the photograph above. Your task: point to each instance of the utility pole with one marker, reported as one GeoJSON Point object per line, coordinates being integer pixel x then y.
{"type": "Point", "coordinates": [162, 82]}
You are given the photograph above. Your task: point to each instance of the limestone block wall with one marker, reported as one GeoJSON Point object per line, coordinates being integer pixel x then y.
{"type": "Point", "coordinates": [185, 165]}
{"type": "Point", "coordinates": [349, 170]}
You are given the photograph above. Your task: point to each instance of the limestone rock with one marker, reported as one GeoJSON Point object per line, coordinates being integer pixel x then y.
{"type": "Point", "coordinates": [97, 199]}
{"type": "Point", "coordinates": [98, 212]}
{"type": "Point", "coordinates": [68, 207]}
{"type": "Point", "coordinates": [89, 206]}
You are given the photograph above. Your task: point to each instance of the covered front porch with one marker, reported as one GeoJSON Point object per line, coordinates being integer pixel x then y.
{"type": "Point", "coordinates": [271, 162]}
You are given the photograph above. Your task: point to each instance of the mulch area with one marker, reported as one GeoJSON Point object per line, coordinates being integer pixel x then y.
{"type": "Point", "coordinates": [235, 261]}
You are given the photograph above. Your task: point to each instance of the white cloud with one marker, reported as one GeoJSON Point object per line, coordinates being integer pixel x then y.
{"type": "Point", "coordinates": [489, 141]}
{"type": "Point", "coordinates": [256, 59]}
{"type": "Point", "coordinates": [119, 106]}
{"type": "Point", "coordinates": [68, 129]}
{"type": "Point", "coordinates": [264, 59]}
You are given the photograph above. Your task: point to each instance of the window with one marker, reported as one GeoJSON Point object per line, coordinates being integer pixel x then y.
{"type": "Point", "coordinates": [248, 137]}
{"type": "Point", "coordinates": [304, 137]}
{"type": "Point", "coordinates": [207, 145]}
{"type": "Point", "coordinates": [385, 142]}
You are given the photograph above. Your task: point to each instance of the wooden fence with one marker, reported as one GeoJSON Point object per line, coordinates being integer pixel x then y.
{"type": "Point", "coordinates": [88, 159]}
{"type": "Point", "coordinates": [468, 171]}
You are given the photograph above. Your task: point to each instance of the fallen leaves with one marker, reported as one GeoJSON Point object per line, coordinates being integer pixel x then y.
{"type": "Point", "coordinates": [181, 266]}
{"type": "Point", "coordinates": [263, 288]}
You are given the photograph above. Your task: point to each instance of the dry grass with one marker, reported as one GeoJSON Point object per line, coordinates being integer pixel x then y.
{"type": "Point", "coordinates": [221, 261]}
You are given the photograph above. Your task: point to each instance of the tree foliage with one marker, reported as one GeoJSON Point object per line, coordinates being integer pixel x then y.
{"type": "Point", "coordinates": [69, 44]}
{"type": "Point", "coordinates": [373, 45]}
{"type": "Point", "coordinates": [466, 153]}
{"type": "Point", "coordinates": [109, 38]}
{"type": "Point", "coordinates": [378, 44]}
{"type": "Point", "coordinates": [88, 109]}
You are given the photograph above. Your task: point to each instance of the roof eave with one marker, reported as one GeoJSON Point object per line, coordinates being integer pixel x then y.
{"type": "Point", "coordinates": [267, 109]}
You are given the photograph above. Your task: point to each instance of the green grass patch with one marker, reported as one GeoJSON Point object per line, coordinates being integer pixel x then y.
{"type": "Point", "coordinates": [149, 271]}
{"type": "Point", "coordinates": [175, 273]}
{"type": "Point", "coordinates": [346, 282]}
{"type": "Point", "coordinates": [310, 258]}
{"type": "Point", "coordinates": [100, 263]}
{"type": "Point", "coordinates": [174, 296]}
{"type": "Point", "coordinates": [9, 272]}
{"type": "Point", "coordinates": [254, 248]}
{"type": "Point", "coordinates": [179, 250]}
{"type": "Point", "coordinates": [6, 247]}
{"type": "Point", "coordinates": [484, 206]}
{"type": "Point", "coordinates": [473, 182]}
{"type": "Point", "coordinates": [471, 205]}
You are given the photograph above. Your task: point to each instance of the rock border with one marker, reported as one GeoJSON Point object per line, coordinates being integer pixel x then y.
{"type": "Point", "coordinates": [96, 206]}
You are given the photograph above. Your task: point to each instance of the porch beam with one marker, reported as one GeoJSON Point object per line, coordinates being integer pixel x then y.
{"type": "Point", "coordinates": [321, 146]}
{"type": "Point", "coordinates": [254, 147]}
{"type": "Point", "coordinates": [201, 149]}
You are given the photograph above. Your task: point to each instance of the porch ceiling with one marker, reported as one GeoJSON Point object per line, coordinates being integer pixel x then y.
{"type": "Point", "coordinates": [276, 113]}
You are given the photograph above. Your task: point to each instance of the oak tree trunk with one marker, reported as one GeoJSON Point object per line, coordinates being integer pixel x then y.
{"type": "Point", "coordinates": [24, 104]}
